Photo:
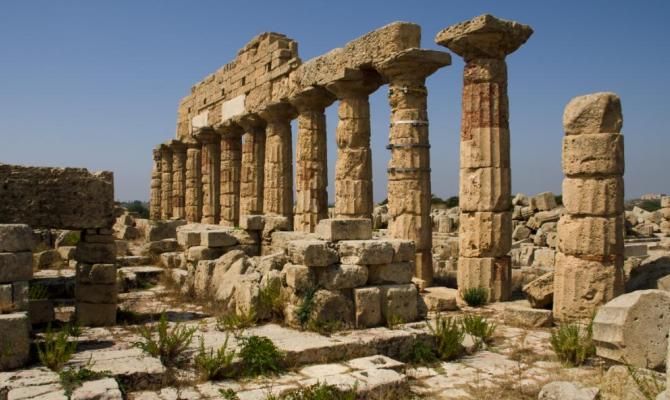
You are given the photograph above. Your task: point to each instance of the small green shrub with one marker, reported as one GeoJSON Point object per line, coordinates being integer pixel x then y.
{"type": "Point", "coordinates": [572, 343]}
{"type": "Point", "coordinates": [228, 394]}
{"type": "Point", "coordinates": [449, 337]}
{"type": "Point", "coordinates": [650, 205]}
{"type": "Point", "coordinates": [73, 329]}
{"type": "Point", "coordinates": [38, 292]}
{"type": "Point", "coordinates": [73, 378]}
{"type": "Point", "coordinates": [479, 327]}
{"type": "Point", "coordinates": [420, 353]}
{"type": "Point", "coordinates": [236, 322]}
{"type": "Point", "coordinates": [271, 302]}
{"type": "Point", "coordinates": [319, 391]}
{"type": "Point", "coordinates": [394, 321]}
{"type": "Point", "coordinates": [214, 365]}
{"type": "Point", "coordinates": [260, 356]}
{"type": "Point", "coordinates": [476, 296]}
{"type": "Point", "coordinates": [167, 344]}
{"type": "Point", "coordinates": [71, 238]}
{"type": "Point", "coordinates": [56, 349]}
{"type": "Point", "coordinates": [304, 311]}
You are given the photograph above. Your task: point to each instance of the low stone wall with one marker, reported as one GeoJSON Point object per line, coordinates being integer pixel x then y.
{"type": "Point", "coordinates": [65, 198]}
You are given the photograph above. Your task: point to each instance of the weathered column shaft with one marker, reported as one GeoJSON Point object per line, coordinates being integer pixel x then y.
{"type": "Point", "coordinates": [311, 159]}
{"type": "Point", "coordinates": [166, 182]}
{"type": "Point", "coordinates": [485, 225]}
{"type": "Point", "coordinates": [252, 171]}
{"type": "Point", "coordinates": [231, 157]}
{"type": "Point", "coordinates": [193, 200]}
{"type": "Point", "coordinates": [278, 180]}
{"type": "Point", "coordinates": [409, 189]}
{"type": "Point", "coordinates": [211, 160]}
{"type": "Point", "coordinates": [589, 261]}
{"type": "Point", "coordinates": [178, 180]}
{"type": "Point", "coordinates": [155, 202]}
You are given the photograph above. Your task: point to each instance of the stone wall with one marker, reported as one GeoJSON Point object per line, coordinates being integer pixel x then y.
{"type": "Point", "coordinates": [65, 198]}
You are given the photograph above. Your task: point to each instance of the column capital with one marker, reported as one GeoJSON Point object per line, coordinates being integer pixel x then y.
{"type": "Point", "coordinates": [355, 82]}
{"type": "Point", "coordinates": [192, 143]}
{"type": "Point", "coordinates": [314, 98]}
{"type": "Point", "coordinates": [176, 146]}
{"type": "Point", "coordinates": [206, 135]}
{"type": "Point", "coordinates": [229, 129]}
{"type": "Point", "coordinates": [484, 36]}
{"type": "Point", "coordinates": [156, 153]}
{"type": "Point", "coordinates": [413, 64]}
{"type": "Point", "coordinates": [250, 122]}
{"type": "Point", "coordinates": [165, 148]}
{"type": "Point", "coordinates": [278, 112]}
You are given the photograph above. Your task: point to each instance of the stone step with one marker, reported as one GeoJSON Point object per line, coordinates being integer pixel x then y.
{"type": "Point", "coordinates": [133, 261]}
{"type": "Point", "coordinates": [139, 277]}
{"type": "Point", "coordinates": [375, 377]}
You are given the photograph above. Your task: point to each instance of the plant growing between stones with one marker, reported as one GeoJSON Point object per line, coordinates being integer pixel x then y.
{"type": "Point", "coordinates": [167, 344]}
{"type": "Point", "coordinates": [56, 350]}
{"type": "Point", "coordinates": [271, 302]}
{"type": "Point", "coordinates": [394, 321]}
{"type": "Point", "coordinates": [304, 310]}
{"type": "Point", "coordinates": [647, 384]}
{"type": "Point", "coordinates": [476, 296]}
{"type": "Point", "coordinates": [573, 343]}
{"type": "Point", "coordinates": [38, 292]}
{"type": "Point", "coordinates": [236, 322]}
{"type": "Point", "coordinates": [73, 329]}
{"type": "Point", "coordinates": [214, 365]}
{"type": "Point", "coordinates": [478, 327]}
{"type": "Point", "coordinates": [260, 356]}
{"type": "Point", "coordinates": [420, 353]}
{"type": "Point", "coordinates": [72, 378]}
{"type": "Point", "coordinates": [228, 394]}
{"type": "Point", "coordinates": [449, 337]}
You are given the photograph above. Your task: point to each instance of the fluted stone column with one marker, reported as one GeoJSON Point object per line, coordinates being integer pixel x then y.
{"type": "Point", "coordinates": [155, 203]}
{"type": "Point", "coordinates": [231, 157]}
{"type": "Point", "coordinates": [211, 161]}
{"type": "Point", "coordinates": [311, 159]}
{"type": "Point", "coordinates": [193, 197]}
{"type": "Point", "coordinates": [353, 168]}
{"type": "Point", "coordinates": [485, 234]}
{"type": "Point", "coordinates": [166, 181]}
{"type": "Point", "coordinates": [589, 261]}
{"type": "Point", "coordinates": [252, 168]}
{"type": "Point", "coordinates": [409, 191]}
{"type": "Point", "coordinates": [178, 179]}
{"type": "Point", "coordinates": [278, 180]}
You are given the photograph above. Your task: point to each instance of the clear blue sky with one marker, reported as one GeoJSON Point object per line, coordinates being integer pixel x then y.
{"type": "Point", "coordinates": [96, 84]}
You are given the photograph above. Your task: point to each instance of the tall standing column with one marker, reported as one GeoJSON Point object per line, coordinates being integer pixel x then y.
{"type": "Point", "coordinates": [278, 181]}
{"type": "Point", "coordinates": [166, 181]}
{"type": "Point", "coordinates": [211, 161]}
{"type": "Point", "coordinates": [353, 168]}
{"type": "Point", "coordinates": [485, 233]}
{"type": "Point", "coordinates": [409, 191]}
{"type": "Point", "coordinates": [589, 261]}
{"type": "Point", "coordinates": [311, 159]}
{"type": "Point", "coordinates": [178, 179]}
{"type": "Point", "coordinates": [193, 197]}
{"type": "Point", "coordinates": [231, 157]}
{"type": "Point", "coordinates": [155, 202]}
{"type": "Point", "coordinates": [252, 168]}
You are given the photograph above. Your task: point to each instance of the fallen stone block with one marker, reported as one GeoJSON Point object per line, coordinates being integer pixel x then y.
{"type": "Point", "coordinates": [633, 328]}
{"type": "Point", "coordinates": [540, 292]}
{"type": "Point", "coordinates": [198, 253]}
{"type": "Point", "coordinates": [403, 250]}
{"type": "Point", "coordinates": [217, 238]}
{"type": "Point", "coordinates": [188, 238]}
{"type": "Point", "coordinates": [48, 259]}
{"type": "Point", "coordinates": [544, 201]}
{"type": "Point", "coordinates": [298, 277]}
{"type": "Point", "coordinates": [399, 301]}
{"type": "Point", "coordinates": [400, 272]}
{"type": "Point", "coordinates": [313, 253]}
{"type": "Point", "coordinates": [365, 252]}
{"type": "Point", "coordinates": [567, 390]}
{"type": "Point", "coordinates": [440, 298]}
{"type": "Point", "coordinates": [14, 331]}
{"type": "Point", "coordinates": [342, 276]}
{"type": "Point", "coordinates": [526, 317]}
{"type": "Point", "coordinates": [16, 267]}
{"type": "Point", "coordinates": [252, 222]}
{"type": "Point", "coordinates": [344, 229]}
{"type": "Point", "coordinates": [367, 303]}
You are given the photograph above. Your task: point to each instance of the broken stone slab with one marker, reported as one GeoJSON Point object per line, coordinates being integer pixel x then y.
{"type": "Point", "coordinates": [561, 390]}
{"type": "Point", "coordinates": [188, 238]}
{"type": "Point", "coordinates": [593, 113]}
{"type": "Point", "coordinates": [298, 277]}
{"type": "Point", "coordinates": [540, 292]}
{"type": "Point", "coordinates": [16, 267]}
{"type": "Point", "coordinates": [217, 238]}
{"type": "Point", "coordinates": [365, 252]}
{"type": "Point", "coordinates": [313, 253]}
{"type": "Point", "coordinates": [14, 331]}
{"type": "Point", "coordinates": [440, 298]}
{"type": "Point", "coordinates": [48, 259]}
{"type": "Point", "coordinates": [344, 229]}
{"type": "Point", "coordinates": [252, 222]}
{"type": "Point", "coordinates": [403, 250]}
{"type": "Point", "coordinates": [633, 328]}
{"type": "Point", "coordinates": [16, 238]}
{"type": "Point", "coordinates": [526, 317]}
{"type": "Point", "coordinates": [544, 201]}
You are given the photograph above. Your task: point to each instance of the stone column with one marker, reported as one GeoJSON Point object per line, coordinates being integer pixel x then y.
{"type": "Point", "coordinates": [253, 161]}
{"type": "Point", "coordinates": [311, 159]}
{"type": "Point", "coordinates": [193, 197]}
{"type": "Point", "coordinates": [485, 234]}
{"type": "Point", "coordinates": [95, 285]}
{"type": "Point", "coordinates": [166, 181]}
{"type": "Point", "coordinates": [178, 179]}
{"type": "Point", "coordinates": [589, 261]}
{"type": "Point", "coordinates": [155, 202]}
{"type": "Point", "coordinates": [231, 157]}
{"type": "Point", "coordinates": [278, 180]}
{"type": "Point", "coordinates": [353, 168]}
{"type": "Point", "coordinates": [409, 193]}
{"type": "Point", "coordinates": [211, 160]}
